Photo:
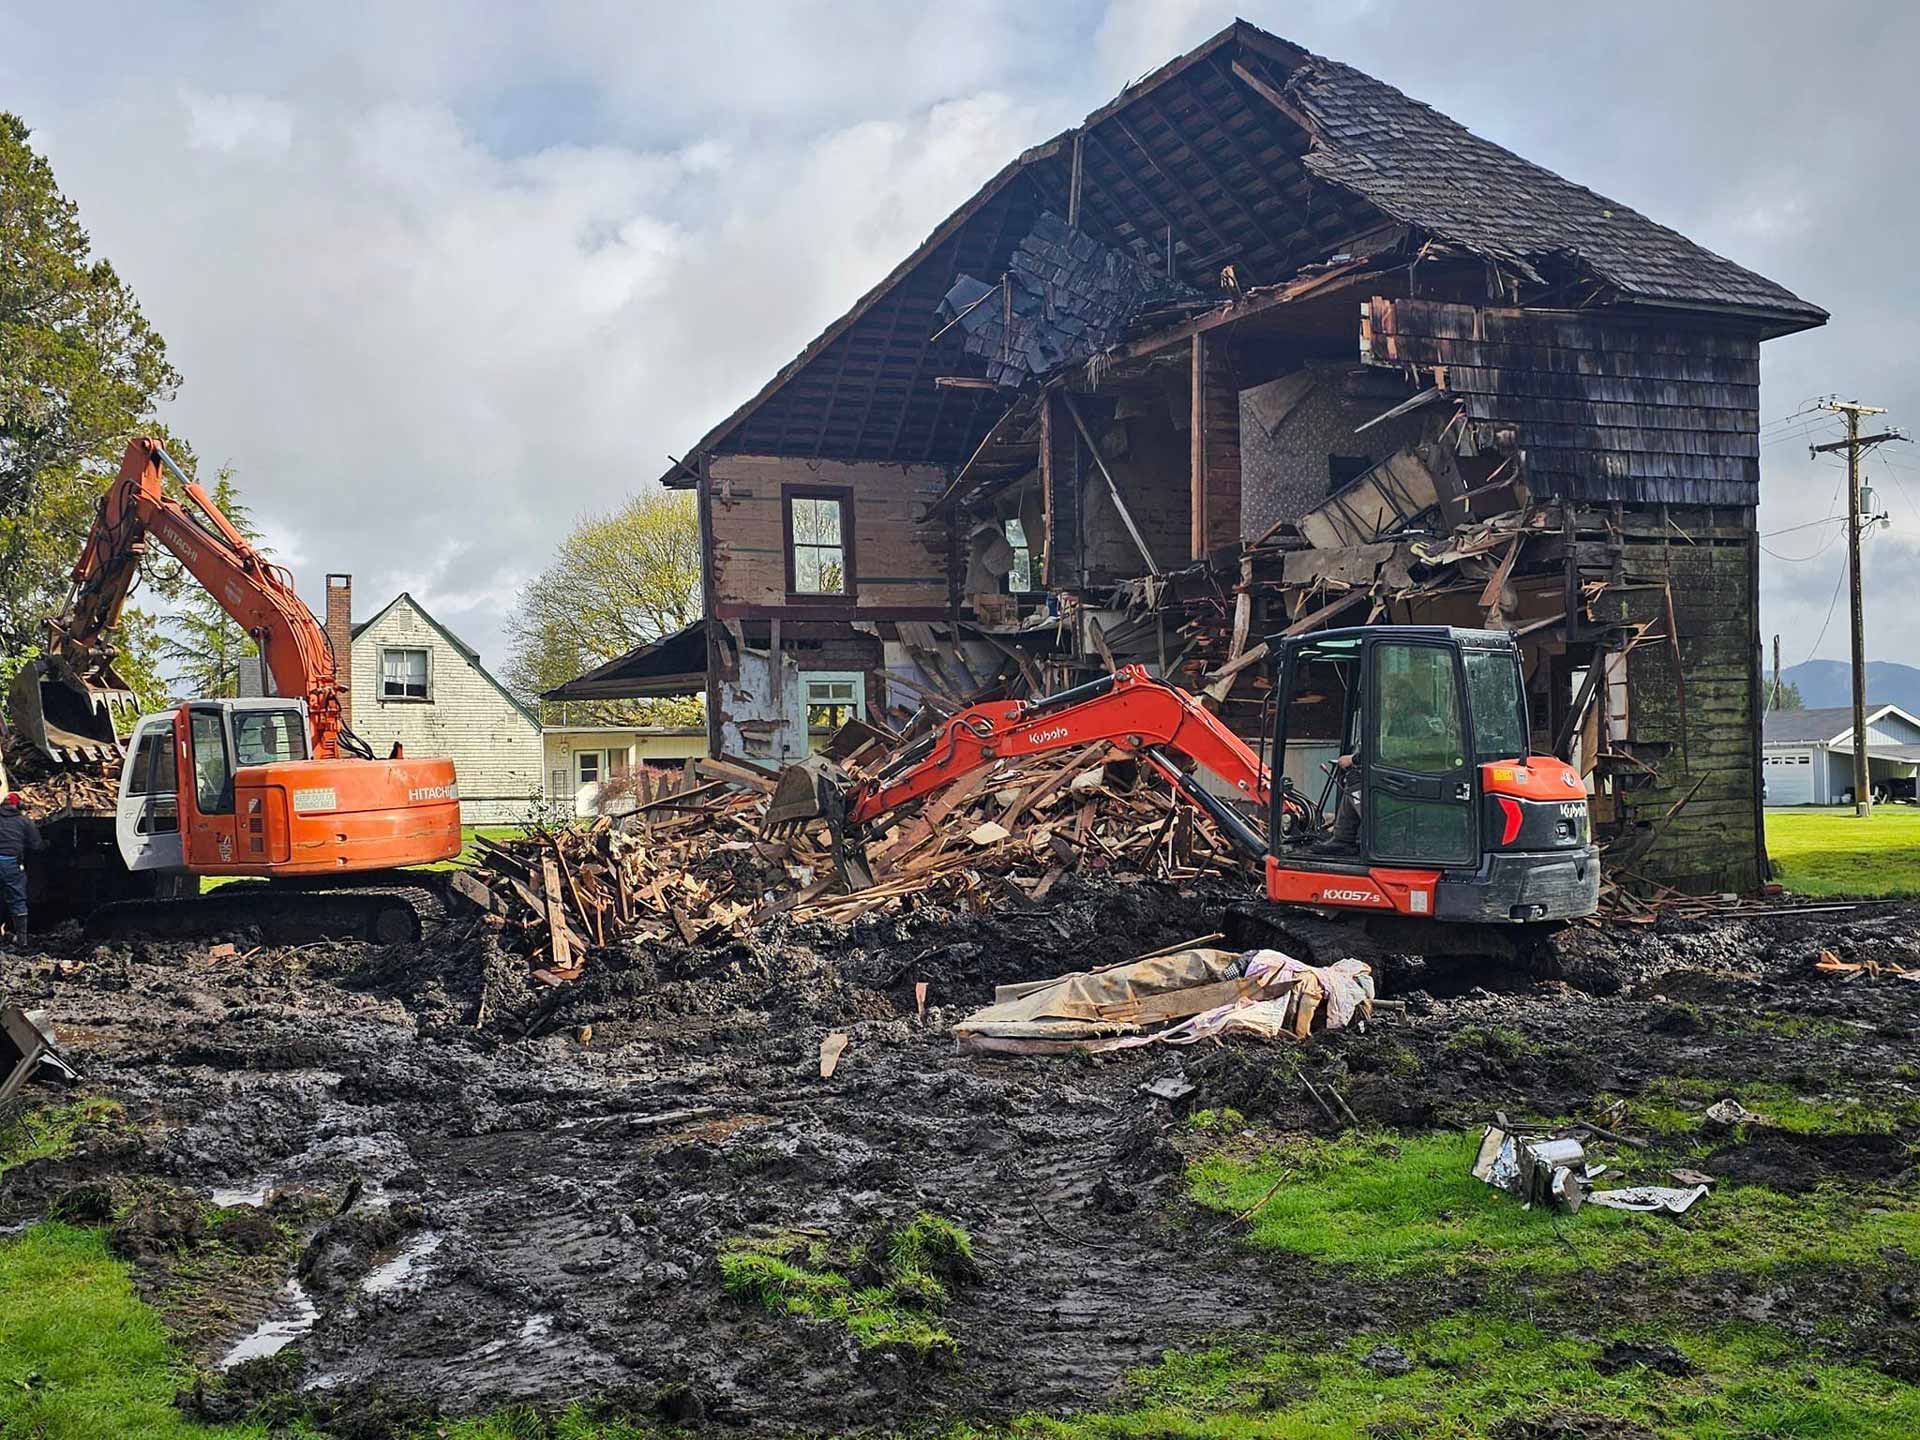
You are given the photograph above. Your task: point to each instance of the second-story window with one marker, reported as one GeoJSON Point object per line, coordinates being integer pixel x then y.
{"type": "Point", "coordinates": [819, 544]}
{"type": "Point", "coordinates": [405, 675]}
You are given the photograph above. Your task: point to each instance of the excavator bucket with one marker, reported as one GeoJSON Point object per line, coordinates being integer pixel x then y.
{"type": "Point", "coordinates": [70, 720]}
{"type": "Point", "coordinates": [815, 791]}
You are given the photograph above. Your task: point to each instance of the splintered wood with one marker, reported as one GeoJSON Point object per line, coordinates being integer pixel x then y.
{"type": "Point", "coordinates": [689, 865]}
{"type": "Point", "coordinates": [52, 790]}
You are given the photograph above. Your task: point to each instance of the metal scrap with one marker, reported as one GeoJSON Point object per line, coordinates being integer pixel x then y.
{"type": "Point", "coordinates": [1650, 1199]}
{"type": "Point", "coordinates": [27, 1047]}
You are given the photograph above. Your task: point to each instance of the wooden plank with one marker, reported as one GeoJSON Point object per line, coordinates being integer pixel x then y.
{"type": "Point", "coordinates": [467, 887]}
{"type": "Point", "coordinates": [556, 915]}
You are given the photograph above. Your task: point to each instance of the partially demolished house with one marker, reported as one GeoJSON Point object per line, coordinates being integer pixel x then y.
{"type": "Point", "coordinates": [1265, 345]}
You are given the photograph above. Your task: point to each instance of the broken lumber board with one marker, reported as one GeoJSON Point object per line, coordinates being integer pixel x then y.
{"type": "Point", "coordinates": [556, 916]}
{"type": "Point", "coordinates": [470, 889]}
{"type": "Point", "coordinates": [741, 774]}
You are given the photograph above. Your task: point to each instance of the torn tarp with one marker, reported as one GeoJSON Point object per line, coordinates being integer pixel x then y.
{"type": "Point", "coordinates": [1172, 999]}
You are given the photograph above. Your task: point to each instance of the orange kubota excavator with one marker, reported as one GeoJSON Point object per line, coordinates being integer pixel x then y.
{"type": "Point", "coordinates": [1457, 837]}
{"type": "Point", "coordinates": [277, 788]}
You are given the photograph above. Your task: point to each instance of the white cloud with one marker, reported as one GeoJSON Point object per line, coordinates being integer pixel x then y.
{"type": "Point", "coordinates": [238, 124]}
{"type": "Point", "coordinates": [441, 276]}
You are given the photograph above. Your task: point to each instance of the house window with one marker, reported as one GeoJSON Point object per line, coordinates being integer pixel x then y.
{"type": "Point", "coordinates": [588, 763]}
{"type": "Point", "coordinates": [834, 698]}
{"type": "Point", "coordinates": [404, 675]}
{"type": "Point", "coordinates": [557, 784]}
{"type": "Point", "coordinates": [1020, 577]}
{"type": "Point", "coordinates": [819, 542]}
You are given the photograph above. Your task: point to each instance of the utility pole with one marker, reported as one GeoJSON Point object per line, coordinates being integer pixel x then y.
{"type": "Point", "coordinates": [1853, 445]}
{"type": "Point", "coordinates": [1774, 704]}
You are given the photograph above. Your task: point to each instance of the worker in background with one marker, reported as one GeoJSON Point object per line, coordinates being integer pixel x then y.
{"type": "Point", "coordinates": [18, 836]}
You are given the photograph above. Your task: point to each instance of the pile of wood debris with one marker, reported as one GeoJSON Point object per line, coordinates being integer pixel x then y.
{"type": "Point", "coordinates": [689, 863]}
{"type": "Point", "coordinates": [51, 790]}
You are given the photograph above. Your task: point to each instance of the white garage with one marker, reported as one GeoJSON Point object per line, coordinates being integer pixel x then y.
{"type": "Point", "coordinates": [1807, 755]}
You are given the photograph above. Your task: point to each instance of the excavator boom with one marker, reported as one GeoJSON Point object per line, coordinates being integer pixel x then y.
{"type": "Point", "coordinates": [1129, 709]}
{"type": "Point", "coordinates": [70, 704]}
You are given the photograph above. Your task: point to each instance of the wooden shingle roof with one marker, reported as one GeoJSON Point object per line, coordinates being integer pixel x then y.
{"type": "Point", "coordinates": [1246, 151]}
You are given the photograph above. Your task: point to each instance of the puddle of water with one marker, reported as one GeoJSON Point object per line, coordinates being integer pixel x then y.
{"type": "Point", "coordinates": [294, 1317]}
{"type": "Point", "coordinates": [536, 1327]}
{"type": "Point", "coordinates": [255, 1196]}
{"type": "Point", "coordinates": [394, 1273]}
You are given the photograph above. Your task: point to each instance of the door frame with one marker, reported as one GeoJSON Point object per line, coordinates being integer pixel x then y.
{"type": "Point", "coordinates": [1455, 788]}
{"type": "Point", "coordinates": [147, 849]}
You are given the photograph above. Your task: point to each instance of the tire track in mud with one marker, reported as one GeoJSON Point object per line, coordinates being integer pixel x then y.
{"type": "Point", "coordinates": [575, 1196]}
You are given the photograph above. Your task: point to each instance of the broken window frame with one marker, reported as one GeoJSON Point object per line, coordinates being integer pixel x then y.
{"type": "Point", "coordinates": [1025, 562]}
{"type": "Point", "coordinates": [792, 545]}
{"type": "Point", "coordinates": [853, 704]}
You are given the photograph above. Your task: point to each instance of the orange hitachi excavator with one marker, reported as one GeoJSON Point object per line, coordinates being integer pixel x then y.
{"type": "Point", "coordinates": [276, 788]}
{"type": "Point", "coordinates": [1452, 823]}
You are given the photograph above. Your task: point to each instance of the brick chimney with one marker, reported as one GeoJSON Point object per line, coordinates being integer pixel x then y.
{"type": "Point", "coordinates": [340, 633]}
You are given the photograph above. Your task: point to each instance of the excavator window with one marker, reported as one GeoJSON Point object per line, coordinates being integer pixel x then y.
{"type": "Point", "coordinates": [1499, 710]}
{"type": "Point", "coordinates": [267, 737]}
{"type": "Point", "coordinates": [212, 768]}
{"type": "Point", "coordinates": [1417, 804]}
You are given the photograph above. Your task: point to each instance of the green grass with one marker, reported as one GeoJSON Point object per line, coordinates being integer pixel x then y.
{"type": "Point", "coordinates": [1400, 1205]}
{"type": "Point", "coordinates": [80, 1355]}
{"type": "Point", "coordinates": [469, 852]}
{"type": "Point", "coordinates": [525, 1423]}
{"type": "Point", "coordinates": [1475, 1372]}
{"type": "Point", "coordinates": [1835, 852]}
{"type": "Point", "coordinates": [888, 1290]}
{"type": "Point", "coordinates": [1675, 1107]}
{"type": "Point", "coordinates": [47, 1132]}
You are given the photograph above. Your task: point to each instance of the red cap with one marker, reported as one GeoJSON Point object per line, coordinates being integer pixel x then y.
{"type": "Point", "coordinates": [13, 799]}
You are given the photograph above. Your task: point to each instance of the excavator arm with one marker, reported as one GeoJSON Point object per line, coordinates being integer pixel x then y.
{"type": "Point", "coordinates": [259, 596]}
{"type": "Point", "coordinates": [1129, 709]}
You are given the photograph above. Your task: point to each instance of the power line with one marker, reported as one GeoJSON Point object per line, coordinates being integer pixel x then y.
{"type": "Point", "coordinates": [1832, 540]}
{"type": "Point", "coordinates": [1832, 605]}
{"type": "Point", "coordinates": [1828, 520]}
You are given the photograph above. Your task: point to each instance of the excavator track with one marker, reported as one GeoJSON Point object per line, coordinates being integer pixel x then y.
{"type": "Point", "coordinates": [282, 913]}
{"type": "Point", "coordinates": [1404, 953]}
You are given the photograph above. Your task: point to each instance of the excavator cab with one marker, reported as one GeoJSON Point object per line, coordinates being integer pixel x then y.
{"type": "Point", "coordinates": [1446, 813]}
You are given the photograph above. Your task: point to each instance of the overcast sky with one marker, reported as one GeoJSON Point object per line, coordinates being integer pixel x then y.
{"type": "Point", "coordinates": [440, 277]}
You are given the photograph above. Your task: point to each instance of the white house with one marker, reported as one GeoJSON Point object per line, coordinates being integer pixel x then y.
{"type": "Point", "coordinates": [581, 760]}
{"type": "Point", "coordinates": [414, 682]}
{"type": "Point", "coordinates": [1807, 755]}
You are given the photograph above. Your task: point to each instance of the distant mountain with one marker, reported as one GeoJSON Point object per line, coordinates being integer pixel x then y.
{"type": "Point", "coordinates": [1830, 682]}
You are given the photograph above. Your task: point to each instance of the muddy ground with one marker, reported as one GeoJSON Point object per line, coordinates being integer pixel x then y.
{"type": "Point", "coordinates": [500, 1192]}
